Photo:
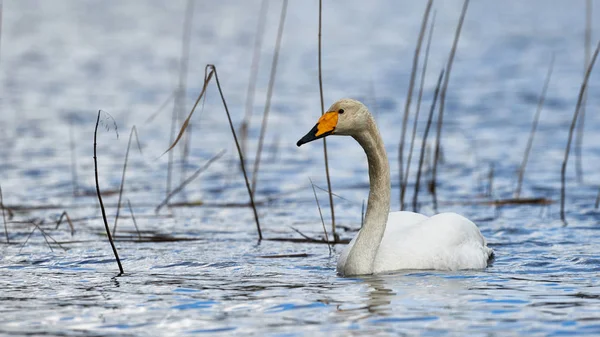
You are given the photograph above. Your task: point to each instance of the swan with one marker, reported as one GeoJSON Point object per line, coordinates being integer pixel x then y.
{"type": "Point", "coordinates": [398, 240]}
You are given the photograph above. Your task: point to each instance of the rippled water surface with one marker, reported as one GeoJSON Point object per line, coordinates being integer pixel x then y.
{"type": "Point", "coordinates": [199, 270]}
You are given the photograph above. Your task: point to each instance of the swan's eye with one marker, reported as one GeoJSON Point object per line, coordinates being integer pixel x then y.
{"type": "Point", "coordinates": [341, 111]}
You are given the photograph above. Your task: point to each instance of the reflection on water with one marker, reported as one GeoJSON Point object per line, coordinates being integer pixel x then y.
{"type": "Point", "coordinates": [199, 270]}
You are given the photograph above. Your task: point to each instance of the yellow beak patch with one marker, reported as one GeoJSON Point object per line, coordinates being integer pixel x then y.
{"type": "Point", "coordinates": [327, 123]}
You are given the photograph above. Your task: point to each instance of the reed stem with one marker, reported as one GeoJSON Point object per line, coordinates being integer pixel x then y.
{"type": "Point", "coordinates": [110, 239]}
{"type": "Point", "coordinates": [413, 74]}
{"type": "Point", "coordinates": [325, 156]}
{"type": "Point", "coordinates": [563, 171]}
{"type": "Point", "coordinates": [443, 103]}
{"type": "Point", "coordinates": [424, 141]}
{"type": "Point", "coordinates": [265, 119]}
{"type": "Point", "coordinates": [534, 125]}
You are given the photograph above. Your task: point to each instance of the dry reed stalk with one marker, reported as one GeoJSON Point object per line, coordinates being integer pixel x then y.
{"type": "Point", "coordinates": [65, 215]}
{"type": "Point", "coordinates": [183, 76]}
{"type": "Point", "coordinates": [563, 170]}
{"type": "Point", "coordinates": [490, 190]}
{"type": "Point", "coordinates": [443, 102]}
{"type": "Point", "coordinates": [263, 127]}
{"type": "Point", "coordinates": [424, 141]}
{"type": "Point", "coordinates": [170, 160]}
{"type": "Point", "coordinates": [161, 107]}
{"type": "Point", "coordinates": [362, 214]}
{"type": "Point", "coordinates": [285, 256]}
{"type": "Point", "coordinates": [1, 12]}
{"type": "Point", "coordinates": [179, 95]}
{"type": "Point", "coordinates": [320, 214]}
{"type": "Point", "coordinates": [133, 218]}
{"type": "Point", "coordinates": [189, 180]}
{"type": "Point", "coordinates": [581, 126]}
{"type": "Point", "coordinates": [306, 239]}
{"type": "Point", "coordinates": [534, 125]}
{"type": "Point", "coordinates": [260, 31]}
{"type": "Point", "coordinates": [131, 133]}
{"type": "Point", "coordinates": [335, 236]}
{"type": "Point", "coordinates": [44, 234]}
{"type": "Point", "coordinates": [112, 244]}
{"type": "Point", "coordinates": [597, 200]}
{"type": "Point", "coordinates": [334, 194]}
{"type": "Point", "coordinates": [35, 226]}
{"type": "Point", "coordinates": [237, 144]}
{"type": "Point", "coordinates": [213, 71]}
{"type": "Point", "coordinates": [413, 75]}
{"type": "Point", "coordinates": [74, 180]}
{"type": "Point", "coordinates": [4, 215]}
{"type": "Point", "coordinates": [419, 98]}
{"type": "Point", "coordinates": [186, 151]}
{"type": "Point", "coordinates": [207, 79]}
{"type": "Point", "coordinates": [27, 239]}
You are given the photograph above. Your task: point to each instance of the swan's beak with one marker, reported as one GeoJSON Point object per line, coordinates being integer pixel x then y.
{"type": "Point", "coordinates": [324, 127]}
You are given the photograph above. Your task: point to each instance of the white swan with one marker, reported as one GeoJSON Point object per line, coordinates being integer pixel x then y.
{"type": "Point", "coordinates": [397, 240]}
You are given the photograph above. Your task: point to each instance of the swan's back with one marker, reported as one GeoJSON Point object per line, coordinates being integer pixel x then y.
{"type": "Point", "coordinates": [446, 241]}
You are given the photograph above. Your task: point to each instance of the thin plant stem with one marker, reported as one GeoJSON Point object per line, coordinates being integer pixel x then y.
{"type": "Point", "coordinates": [265, 119]}
{"type": "Point", "coordinates": [133, 218]}
{"type": "Point", "coordinates": [207, 79]}
{"type": "Point", "coordinates": [44, 235]}
{"type": "Point", "coordinates": [27, 239]}
{"type": "Point", "coordinates": [237, 144]}
{"type": "Point", "coordinates": [212, 70]}
{"type": "Point", "coordinates": [65, 215]}
{"type": "Point", "coordinates": [563, 171]}
{"type": "Point", "coordinates": [335, 236]}
{"type": "Point", "coordinates": [1, 13]}
{"type": "Point", "coordinates": [4, 215]}
{"type": "Point", "coordinates": [490, 190]}
{"type": "Point", "coordinates": [534, 125]}
{"type": "Point", "coordinates": [189, 180]}
{"type": "Point", "coordinates": [320, 215]}
{"type": "Point", "coordinates": [258, 39]}
{"type": "Point", "coordinates": [161, 107]}
{"type": "Point", "coordinates": [180, 91]}
{"type": "Point", "coordinates": [443, 103]}
{"type": "Point", "coordinates": [110, 239]}
{"type": "Point", "coordinates": [424, 141]}
{"type": "Point", "coordinates": [362, 214]}
{"type": "Point", "coordinates": [183, 77]}
{"type": "Point", "coordinates": [581, 123]}
{"type": "Point", "coordinates": [413, 75]}
{"type": "Point", "coordinates": [131, 133]}
{"type": "Point", "coordinates": [415, 122]}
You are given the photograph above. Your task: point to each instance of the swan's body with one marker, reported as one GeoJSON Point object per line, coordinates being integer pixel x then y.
{"type": "Point", "coordinates": [397, 240]}
{"type": "Point", "coordinates": [445, 241]}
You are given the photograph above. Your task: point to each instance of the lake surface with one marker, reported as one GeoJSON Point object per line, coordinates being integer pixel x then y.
{"type": "Point", "coordinates": [200, 270]}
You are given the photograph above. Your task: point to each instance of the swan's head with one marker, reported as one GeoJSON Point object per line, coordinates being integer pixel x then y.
{"type": "Point", "coordinates": [346, 117]}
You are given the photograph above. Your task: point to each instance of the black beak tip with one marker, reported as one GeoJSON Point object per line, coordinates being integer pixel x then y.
{"type": "Point", "coordinates": [309, 137]}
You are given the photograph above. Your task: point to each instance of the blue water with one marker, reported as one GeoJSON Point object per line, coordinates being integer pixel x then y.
{"type": "Point", "coordinates": [62, 61]}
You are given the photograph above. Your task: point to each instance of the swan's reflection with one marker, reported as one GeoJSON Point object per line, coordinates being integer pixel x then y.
{"type": "Point", "coordinates": [379, 297]}
{"type": "Point", "coordinates": [394, 294]}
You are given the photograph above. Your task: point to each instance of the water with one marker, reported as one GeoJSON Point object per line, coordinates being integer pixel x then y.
{"type": "Point", "coordinates": [199, 270]}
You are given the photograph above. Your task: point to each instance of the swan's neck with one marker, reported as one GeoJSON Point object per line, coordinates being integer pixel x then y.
{"type": "Point", "coordinates": [362, 255]}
